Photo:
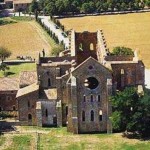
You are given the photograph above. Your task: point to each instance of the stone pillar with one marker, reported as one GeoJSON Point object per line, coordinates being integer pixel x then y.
{"type": "Point", "coordinates": [122, 78]}
{"type": "Point", "coordinates": [74, 105]}
{"type": "Point", "coordinates": [109, 106]}
{"type": "Point", "coordinates": [57, 72]}
{"type": "Point", "coordinates": [39, 114]}
{"type": "Point", "coordinates": [59, 113]}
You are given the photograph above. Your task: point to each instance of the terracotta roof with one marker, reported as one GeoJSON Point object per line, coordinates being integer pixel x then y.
{"type": "Point", "coordinates": [28, 89]}
{"type": "Point", "coordinates": [27, 78]}
{"type": "Point", "coordinates": [21, 1]}
{"type": "Point", "coordinates": [9, 84]}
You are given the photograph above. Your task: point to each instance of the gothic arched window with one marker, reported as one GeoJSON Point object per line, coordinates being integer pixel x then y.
{"type": "Point", "coordinates": [92, 115]}
{"type": "Point", "coordinates": [83, 115]}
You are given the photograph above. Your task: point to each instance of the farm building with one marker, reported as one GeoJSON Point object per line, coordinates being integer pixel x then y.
{"type": "Point", "coordinates": [17, 5]}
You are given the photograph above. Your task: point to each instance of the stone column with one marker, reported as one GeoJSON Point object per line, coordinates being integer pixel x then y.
{"type": "Point", "coordinates": [109, 106]}
{"type": "Point", "coordinates": [74, 105]}
{"type": "Point", "coordinates": [59, 113]}
{"type": "Point", "coordinates": [39, 114]}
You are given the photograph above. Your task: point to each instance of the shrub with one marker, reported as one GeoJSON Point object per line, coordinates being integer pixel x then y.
{"type": "Point", "coordinates": [122, 51]}
{"type": "Point", "coordinates": [57, 49]}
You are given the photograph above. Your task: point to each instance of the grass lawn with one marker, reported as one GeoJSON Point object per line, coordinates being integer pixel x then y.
{"type": "Point", "coordinates": [60, 139]}
{"type": "Point", "coordinates": [24, 38]}
{"type": "Point", "coordinates": [131, 30]}
{"type": "Point", "coordinates": [16, 69]}
{"type": "Point", "coordinates": [2, 140]}
{"type": "Point", "coordinates": [21, 142]}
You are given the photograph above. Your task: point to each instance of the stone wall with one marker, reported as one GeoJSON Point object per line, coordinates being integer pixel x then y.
{"type": "Point", "coordinates": [88, 99]}
{"type": "Point", "coordinates": [45, 73]}
{"type": "Point", "coordinates": [20, 6]}
{"type": "Point", "coordinates": [27, 108]}
{"type": "Point", "coordinates": [85, 46]}
{"type": "Point", "coordinates": [133, 74]}
{"type": "Point", "coordinates": [8, 100]}
{"type": "Point", "coordinates": [119, 58]}
{"type": "Point", "coordinates": [49, 113]}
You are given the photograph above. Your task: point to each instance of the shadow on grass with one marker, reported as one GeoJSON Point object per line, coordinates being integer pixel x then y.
{"type": "Point", "coordinates": [9, 73]}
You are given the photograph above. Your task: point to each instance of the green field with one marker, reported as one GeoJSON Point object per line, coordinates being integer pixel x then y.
{"type": "Point", "coordinates": [16, 69]}
{"type": "Point", "coordinates": [60, 139]}
{"type": "Point", "coordinates": [130, 30]}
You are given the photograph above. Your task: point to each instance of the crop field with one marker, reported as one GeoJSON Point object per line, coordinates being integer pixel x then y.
{"type": "Point", "coordinates": [24, 38]}
{"type": "Point", "coordinates": [130, 30]}
{"type": "Point", "coordinates": [60, 139]}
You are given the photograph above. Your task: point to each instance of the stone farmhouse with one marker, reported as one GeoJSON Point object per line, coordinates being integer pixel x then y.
{"type": "Point", "coordinates": [17, 5]}
{"type": "Point", "coordinates": [73, 89]}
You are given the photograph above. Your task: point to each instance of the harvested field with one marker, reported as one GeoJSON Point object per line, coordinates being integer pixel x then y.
{"type": "Point", "coordinates": [130, 30]}
{"type": "Point", "coordinates": [24, 38]}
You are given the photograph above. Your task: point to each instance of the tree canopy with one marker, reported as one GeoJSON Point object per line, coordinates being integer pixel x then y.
{"type": "Point", "coordinates": [4, 53]}
{"type": "Point", "coordinates": [58, 7]}
{"type": "Point", "coordinates": [122, 51]}
{"type": "Point", "coordinates": [131, 112]}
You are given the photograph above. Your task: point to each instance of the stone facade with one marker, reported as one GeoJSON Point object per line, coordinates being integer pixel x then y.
{"type": "Point", "coordinates": [73, 90]}
{"type": "Point", "coordinates": [8, 91]}
{"type": "Point", "coordinates": [27, 98]}
{"type": "Point", "coordinates": [21, 5]}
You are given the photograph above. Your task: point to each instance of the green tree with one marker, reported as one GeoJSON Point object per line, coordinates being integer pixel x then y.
{"type": "Point", "coordinates": [122, 51]}
{"type": "Point", "coordinates": [123, 6]}
{"type": "Point", "coordinates": [34, 7]}
{"type": "Point", "coordinates": [50, 8]}
{"type": "Point", "coordinates": [131, 112]}
{"type": "Point", "coordinates": [99, 6]}
{"type": "Point", "coordinates": [4, 67]}
{"type": "Point", "coordinates": [4, 53]}
{"type": "Point", "coordinates": [148, 3]}
{"type": "Point", "coordinates": [86, 7]}
{"type": "Point", "coordinates": [105, 6]}
{"type": "Point", "coordinates": [57, 49]}
{"type": "Point", "coordinates": [60, 6]}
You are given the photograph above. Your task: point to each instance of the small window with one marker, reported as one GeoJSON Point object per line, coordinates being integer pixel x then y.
{"type": "Point", "coordinates": [99, 98]}
{"type": "Point", "coordinates": [54, 120]}
{"type": "Point", "coordinates": [14, 108]}
{"type": "Point", "coordinates": [8, 98]}
{"type": "Point", "coordinates": [28, 104]}
{"type": "Point", "coordinates": [29, 117]}
{"type": "Point", "coordinates": [49, 82]}
{"type": "Point", "coordinates": [100, 115]}
{"type": "Point", "coordinates": [66, 111]}
{"type": "Point", "coordinates": [80, 47]}
{"type": "Point", "coordinates": [92, 115]}
{"type": "Point", "coordinates": [83, 115]}
{"type": "Point", "coordinates": [84, 98]}
{"type": "Point", "coordinates": [48, 73]}
{"type": "Point", "coordinates": [91, 47]}
{"type": "Point", "coordinates": [46, 113]}
{"type": "Point", "coordinates": [91, 98]}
